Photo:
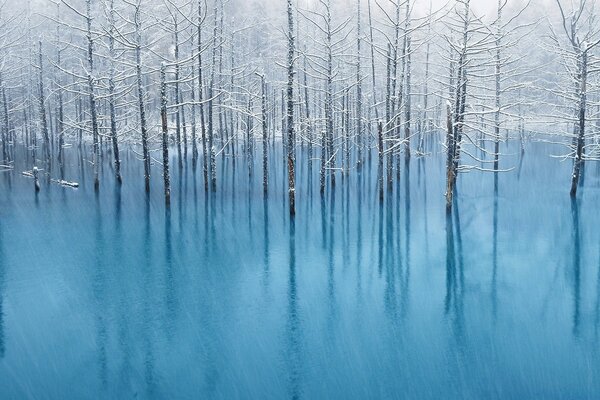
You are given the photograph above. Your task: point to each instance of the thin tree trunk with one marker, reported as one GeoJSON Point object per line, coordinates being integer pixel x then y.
{"type": "Point", "coordinates": [359, 119]}
{"type": "Point", "coordinates": [450, 158]}
{"type": "Point", "coordinates": [407, 104]}
{"type": "Point", "coordinates": [265, 144]}
{"type": "Point", "coordinates": [140, 93]}
{"type": "Point", "coordinates": [92, 94]}
{"type": "Point", "coordinates": [193, 116]}
{"type": "Point", "coordinates": [111, 99]}
{"type": "Point", "coordinates": [201, 98]}
{"type": "Point", "coordinates": [290, 111]}
{"type": "Point", "coordinates": [329, 96]}
{"type": "Point", "coordinates": [42, 104]}
{"type": "Point", "coordinates": [5, 122]}
{"type": "Point", "coordinates": [177, 94]}
{"type": "Point", "coordinates": [380, 159]}
{"type": "Point", "coordinates": [497, 97]}
{"type": "Point", "coordinates": [213, 164]}
{"type": "Point", "coordinates": [165, 134]}
{"type": "Point", "coordinates": [578, 164]}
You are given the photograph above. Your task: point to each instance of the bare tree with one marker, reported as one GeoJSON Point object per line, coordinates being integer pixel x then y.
{"type": "Point", "coordinates": [290, 110]}
{"type": "Point", "coordinates": [112, 89]}
{"type": "Point", "coordinates": [165, 134]}
{"type": "Point", "coordinates": [582, 33]}
{"type": "Point", "coordinates": [42, 105]}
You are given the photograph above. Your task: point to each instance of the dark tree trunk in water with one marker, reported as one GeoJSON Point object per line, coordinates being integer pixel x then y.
{"type": "Point", "coordinates": [36, 180]}
{"type": "Point", "coordinates": [406, 68]}
{"type": "Point", "coordinates": [165, 134]}
{"type": "Point", "coordinates": [346, 134]}
{"type": "Point", "coordinates": [323, 163]}
{"type": "Point", "coordinates": [329, 97]}
{"type": "Point", "coordinates": [578, 164]}
{"type": "Point", "coordinates": [454, 122]}
{"type": "Point", "coordinates": [193, 116]}
{"type": "Point", "coordinates": [309, 133]}
{"type": "Point", "coordinates": [211, 134]}
{"type": "Point", "coordinates": [201, 98]}
{"type": "Point", "coordinates": [111, 100]}
{"type": "Point", "coordinates": [42, 104]}
{"type": "Point", "coordinates": [5, 123]}
{"type": "Point", "coordinates": [290, 111]}
{"type": "Point", "coordinates": [380, 159]}
{"type": "Point", "coordinates": [140, 93]}
{"type": "Point", "coordinates": [249, 155]}
{"type": "Point", "coordinates": [178, 110]}
{"type": "Point", "coordinates": [497, 77]}
{"type": "Point", "coordinates": [92, 94]}
{"type": "Point", "coordinates": [359, 133]}
{"type": "Point", "coordinates": [388, 114]}
{"type": "Point", "coordinates": [60, 122]}
{"type": "Point", "coordinates": [265, 142]}
{"type": "Point", "coordinates": [450, 160]}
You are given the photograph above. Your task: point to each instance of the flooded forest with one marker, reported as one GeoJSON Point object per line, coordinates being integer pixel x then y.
{"type": "Point", "coordinates": [313, 199]}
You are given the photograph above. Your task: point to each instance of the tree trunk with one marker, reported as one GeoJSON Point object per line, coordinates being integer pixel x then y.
{"type": "Point", "coordinates": [92, 95]}
{"type": "Point", "coordinates": [290, 111]}
{"type": "Point", "coordinates": [450, 158]}
{"type": "Point", "coordinates": [201, 98]}
{"type": "Point", "coordinates": [42, 104]}
{"type": "Point", "coordinates": [111, 99]}
{"type": "Point", "coordinates": [140, 93]}
{"type": "Point", "coordinates": [265, 140]}
{"type": "Point", "coordinates": [165, 134]}
{"type": "Point", "coordinates": [578, 164]}
{"type": "Point", "coordinates": [380, 159]}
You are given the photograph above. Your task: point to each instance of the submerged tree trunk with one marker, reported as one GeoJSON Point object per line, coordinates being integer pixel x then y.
{"type": "Point", "coordinates": [111, 99]}
{"type": "Point", "coordinates": [140, 93]}
{"type": "Point", "coordinates": [92, 94]}
{"type": "Point", "coordinates": [193, 116]}
{"type": "Point", "coordinates": [455, 120]}
{"type": "Point", "coordinates": [406, 72]}
{"type": "Point", "coordinates": [329, 95]}
{"type": "Point", "coordinates": [380, 159]}
{"type": "Point", "coordinates": [450, 158]}
{"type": "Point", "coordinates": [290, 111]}
{"type": "Point", "coordinates": [323, 163]}
{"type": "Point", "coordinates": [345, 134]}
{"type": "Point", "coordinates": [578, 164]}
{"type": "Point", "coordinates": [42, 105]}
{"type": "Point", "coordinates": [211, 134]}
{"type": "Point", "coordinates": [249, 126]}
{"type": "Point", "coordinates": [425, 125]}
{"type": "Point", "coordinates": [201, 98]}
{"type": "Point", "coordinates": [388, 115]}
{"type": "Point", "coordinates": [497, 97]}
{"type": "Point", "coordinates": [178, 109]}
{"type": "Point", "coordinates": [309, 128]}
{"type": "Point", "coordinates": [265, 140]}
{"type": "Point", "coordinates": [165, 134]}
{"type": "Point", "coordinates": [61, 133]}
{"type": "Point", "coordinates": [407, 104]}
{"type": "Point", "coordinates": [359, 126]}
{"type": "Point", "coordinates": [5, 123]}
{"type": "Point", "coordinates": [36, 179]}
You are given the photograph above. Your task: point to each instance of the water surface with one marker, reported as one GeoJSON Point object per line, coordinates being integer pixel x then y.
{"type": "Point", "coordinates": [109, 295]}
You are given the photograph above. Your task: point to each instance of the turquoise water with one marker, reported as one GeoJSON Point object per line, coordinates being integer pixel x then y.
{"type": "Point", "coordinates": [110, 296]}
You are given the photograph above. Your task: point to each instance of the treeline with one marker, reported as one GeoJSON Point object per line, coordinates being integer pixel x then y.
{"type": "Point", "coordinates": [210, 79]}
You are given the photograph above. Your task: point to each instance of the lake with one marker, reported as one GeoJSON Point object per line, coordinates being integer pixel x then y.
{"type": "Point", "coordinates": [109, 295]}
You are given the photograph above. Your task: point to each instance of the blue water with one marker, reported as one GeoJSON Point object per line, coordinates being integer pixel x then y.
{"type": "Point", "coordinates": [109, 295]}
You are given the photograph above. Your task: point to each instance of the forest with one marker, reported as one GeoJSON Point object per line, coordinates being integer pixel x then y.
{"type": "Point", "coordinates": [344, 82]}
